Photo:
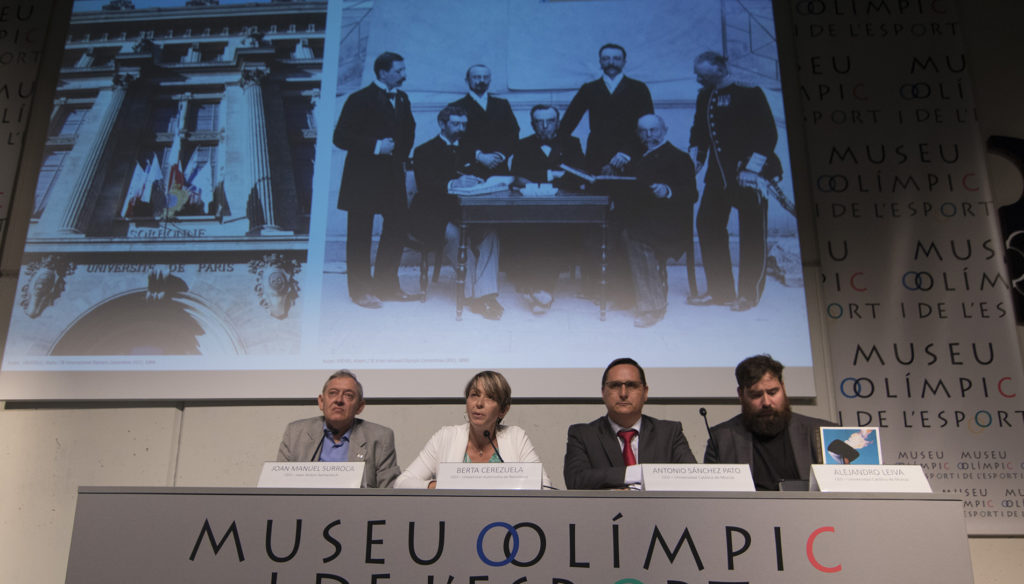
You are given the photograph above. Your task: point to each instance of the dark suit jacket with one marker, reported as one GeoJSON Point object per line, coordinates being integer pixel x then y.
{"type": "Point", "coordinates": [613, 118]}
{"type": "Point", "coordinates": [372, 183]}
{"type": "Point", "coordinates": [492, 130]}
{"type": "Point", "coordinates": [530, 162]}
{"type": "Point", "coordinates": [593, 457]}
{"type": "Point", "coordinates": [666, 224]}
{"type": "Point", "coordinates": [732, 443]}
{"type": "Point", "coordinates": [434, 164]}
{"type": "Point", "coordinates": [370, 443]}
{"type": "Point", "coordinates": [731, 123]}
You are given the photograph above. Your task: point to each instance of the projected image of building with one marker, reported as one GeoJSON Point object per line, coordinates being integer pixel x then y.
{"type": "Point", "coordinates": [172, 208]}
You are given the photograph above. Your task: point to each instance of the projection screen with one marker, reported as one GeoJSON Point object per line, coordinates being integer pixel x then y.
{"type": "Point", "coordinates": [186, 241]}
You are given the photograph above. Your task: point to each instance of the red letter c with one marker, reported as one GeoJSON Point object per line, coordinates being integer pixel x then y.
{"type": "Point", "coordinates": [810, 551]}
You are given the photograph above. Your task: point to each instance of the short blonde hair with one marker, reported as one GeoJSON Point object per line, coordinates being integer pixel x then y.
{"type": "Point", "coordinates": [494, 385]}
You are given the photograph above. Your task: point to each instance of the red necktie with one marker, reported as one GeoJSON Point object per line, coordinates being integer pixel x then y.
{"type": "Point", "coordinates": [627, 450]}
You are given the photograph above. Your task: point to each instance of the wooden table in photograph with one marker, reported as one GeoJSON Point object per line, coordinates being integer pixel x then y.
{"type": "Point", "coordinates": [509, 207]}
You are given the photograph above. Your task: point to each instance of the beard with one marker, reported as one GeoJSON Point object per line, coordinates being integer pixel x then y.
{"type": "Point", "coordinates": [766, 423]}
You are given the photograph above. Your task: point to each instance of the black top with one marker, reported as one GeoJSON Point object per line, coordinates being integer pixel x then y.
{"type": "Point", "coordinates": [435, 162]}
{"type": "Point", "coordinates": [773, 461]}
{"type": "Point", "coordinates": [370, 182]}
{"type": "Point", "coordinates": [613, 118]}
{"type": "Point", "coordinates": [730, 125]}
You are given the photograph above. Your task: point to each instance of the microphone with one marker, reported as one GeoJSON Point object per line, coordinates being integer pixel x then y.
{"type": "Point", "coordinates": [487, 434]}
{"type": "Point", "coordinates": [316, 453]}
{"type": "Point", "coordinates": [711, 439]}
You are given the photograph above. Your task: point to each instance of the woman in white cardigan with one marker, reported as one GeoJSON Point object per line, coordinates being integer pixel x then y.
{"type": "Point", "coordinates": [488, 399]}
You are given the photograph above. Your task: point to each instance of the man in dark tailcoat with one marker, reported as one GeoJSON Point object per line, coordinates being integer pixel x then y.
{"type": "Point", "coordinates": [440, 163]}
{"type": "Point", "coordinates": [656, 213]}
{"type": "Point", "coordinates": [614, 103]}
{"type": "Point", "coordinates": [534, 255]}
{"type": "Point", "coordinates": [539, 157]}
{"type": "Point", "coordinates": [492, 132]}
{"type": "Point", "coordinates": [376, 128]}
{"type": "Point", "coordinates": [734, 133]}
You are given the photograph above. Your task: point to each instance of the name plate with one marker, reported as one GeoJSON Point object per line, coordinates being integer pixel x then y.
{"type": "Point", "coordinates": [489, 475]}
{"type": "Point", "coordinates": [320, 475]}
{"type": "Point", "coordinates": [869, 478]}
{"type": "Point", "coordinates": [697, 477]}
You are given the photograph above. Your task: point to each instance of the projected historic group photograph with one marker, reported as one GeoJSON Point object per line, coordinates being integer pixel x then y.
{"type": "Point", "coordinates": [499, 178]}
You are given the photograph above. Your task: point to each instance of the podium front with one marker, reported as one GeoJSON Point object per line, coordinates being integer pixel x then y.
{"type": "Point", "coordinates": [300, 536]}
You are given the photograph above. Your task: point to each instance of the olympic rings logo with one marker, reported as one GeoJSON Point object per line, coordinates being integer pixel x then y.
{"type": "Point", "coordinates": [511, 537]}
{"type": "Point", "coordinates": [832, 183]}
{"type": "Point", "coordinates": [915, 91]}
{"type": "Point", "coordinates": [810, 8]}
{"type": "Point", "coordinates": [858, 390]}
{"type": "Point", "coordinates": [921, 281]}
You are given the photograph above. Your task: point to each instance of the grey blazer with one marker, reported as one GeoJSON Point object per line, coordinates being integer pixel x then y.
{"type": "Point", "coordinates": [593, 457]}
{"type": "Point", "coordinates": [732, 443]}
{"type": "Point", "coordinates": [370, 443]}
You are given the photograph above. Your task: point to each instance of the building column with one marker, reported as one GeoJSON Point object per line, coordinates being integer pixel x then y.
{"type": "Point", "coordinates": [260, 210]}
{"type": "Point", "coordinates": [64, 216]}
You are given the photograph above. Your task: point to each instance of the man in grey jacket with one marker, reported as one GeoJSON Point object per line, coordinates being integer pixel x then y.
{"type": "Point", "coordinates": [339, 436]}
{"type": "Point", "coordinates": [777, 444]}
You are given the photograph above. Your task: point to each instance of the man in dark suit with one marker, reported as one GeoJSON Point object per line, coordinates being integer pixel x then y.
{"type": "Point", "coordinates": [376, 128]}
{"type": "Point", "coordinates": [656, 213]}
{"type": "Point", "coordinates": [539, 157]}
{"type": "Point", "coordinates": [339, 436]}
{"type": "Point", "coordinates": [493, 131]}
{"type": "Point", "coordinates": [777, 444]}
{"type": "Point", "coordinates": [604, 453]}
{"type": "Point", "coordinates": [734, 132]}
{"type": "Point", "coordinates": [615, 103]}
{"type": "Point", "coordinates": [534, 255]}
{"type": "Point", "coordinates": [440, 163]}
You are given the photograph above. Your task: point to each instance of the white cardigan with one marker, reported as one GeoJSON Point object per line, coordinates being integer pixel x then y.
{"type": "Point", "coordinates": [449, 445]}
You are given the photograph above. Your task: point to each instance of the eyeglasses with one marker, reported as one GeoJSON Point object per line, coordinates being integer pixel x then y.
{"type": "Point", "coordinates": [630, 385]}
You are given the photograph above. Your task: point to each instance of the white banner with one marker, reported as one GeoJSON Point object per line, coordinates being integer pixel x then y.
{"type": "Point", "coordinates": [918, 311]}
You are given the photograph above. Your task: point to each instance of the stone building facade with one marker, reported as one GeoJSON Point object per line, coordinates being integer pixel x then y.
{"type": "Point", "coordinates": [172, 207]}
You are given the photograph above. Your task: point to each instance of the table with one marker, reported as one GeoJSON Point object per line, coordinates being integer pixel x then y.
{"type": "Point", "coordinates": [510, 206]}
{"type": "Point", "coordinates": [167, 535]}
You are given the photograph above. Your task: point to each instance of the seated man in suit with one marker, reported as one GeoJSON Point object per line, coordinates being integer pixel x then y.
{"type": "Point", "coordinates": [604, 453]}
{"type": "Point", "coordinates": [439, 163]}
{"type": "Point", "coordinates": [777, 444]}
{"type": "Point", "coordinates": [540, 156]}
{"type": "Point", "coordinates": [339, 436]}
{"type": "Point", "coordinates": [533, 256]}
{"type": "Point", "coordinates": [492, 130]}
{"type": "Point", "coordinates": [656, 215]}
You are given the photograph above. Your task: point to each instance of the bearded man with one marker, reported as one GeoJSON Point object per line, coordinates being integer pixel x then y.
{"type": "Point", "coordinates": [778, 444]}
